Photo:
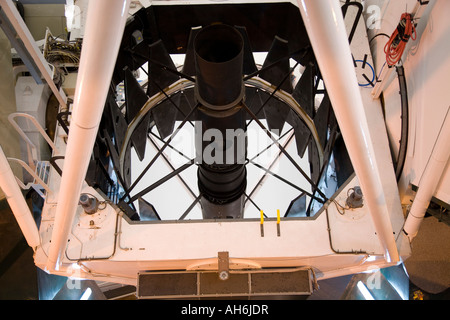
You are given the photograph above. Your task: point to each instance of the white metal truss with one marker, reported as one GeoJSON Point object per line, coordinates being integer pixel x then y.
{"type": "Point", "coordinates": [108, 246]}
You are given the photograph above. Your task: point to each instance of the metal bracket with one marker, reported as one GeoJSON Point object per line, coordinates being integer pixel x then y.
{"type": "Point", "coordinates": [278, 223]}
{"type": "Point", "coordinates": [224, 265]}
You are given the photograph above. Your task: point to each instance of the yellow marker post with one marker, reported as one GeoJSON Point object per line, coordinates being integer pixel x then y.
{"type": "Point", "coordinates": [262, 224]}
{"type": "Point", "coordinates": [278, 223]}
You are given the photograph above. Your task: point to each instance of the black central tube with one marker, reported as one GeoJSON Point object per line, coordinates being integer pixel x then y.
{"type": "Point", "coordinates": [222, 175]}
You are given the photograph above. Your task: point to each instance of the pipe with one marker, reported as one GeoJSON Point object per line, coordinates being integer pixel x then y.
{"type": "Point", "coordinates": [17, 203]}
{"type": "Point", "coordinates": [104, 26]}
{"type": "Point", "coordinates": [326, 29]}
{"type": "Point", "coordinates": [430, 180]}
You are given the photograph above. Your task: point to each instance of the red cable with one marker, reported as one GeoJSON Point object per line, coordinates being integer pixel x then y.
{"type": "Point", "coordinates": [397, 43]}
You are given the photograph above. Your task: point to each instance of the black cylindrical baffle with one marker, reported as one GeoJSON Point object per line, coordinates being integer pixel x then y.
{"type": "Point", "coordinates": [222, 149]}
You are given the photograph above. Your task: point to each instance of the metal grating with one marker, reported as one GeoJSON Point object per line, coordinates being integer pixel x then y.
{"type": "Point", "coordinates": [205, 284]}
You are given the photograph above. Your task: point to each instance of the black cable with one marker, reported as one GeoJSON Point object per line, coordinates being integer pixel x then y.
{"type": "Point", "coordinates": [377, 35]}
{"type": "Point", "coordinates": [401, 158]}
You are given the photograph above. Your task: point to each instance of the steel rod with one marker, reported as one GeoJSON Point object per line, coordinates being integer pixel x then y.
{"type": "Point", "coordinates": [162, 181]}
{"type": "Point", "coordinates": [327, 32]}
{"type": "Point", "coordinates": [188, 210]}
{"type": "Point", "coordinates": [285, 152]}
{"type": "Point", "coordinates": [127, 193]}
{"type": "Point", "coordinates": [431, 177]}
{"type": "Point", "coordinates": [170, 146]}
{"type": "Point", "coordinates": [287, 182]}
{"type": "Point", "coordinates": [105, 20]}
{"type": "Point", "coordinates": [261, 180]}
{"type": "Point", "coordinates": [171, 166]}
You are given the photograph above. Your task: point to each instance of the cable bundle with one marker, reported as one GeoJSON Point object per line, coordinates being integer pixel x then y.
{"type": "Point", "coordinates": [396, 45]}
{"type": "Point", "coordinates": [62, 51]}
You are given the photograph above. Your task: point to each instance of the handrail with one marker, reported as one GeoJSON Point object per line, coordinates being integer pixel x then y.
{"type": "Point", "coordinates": [36, 177]}
{"type": "Point", "coordinates": [37, 125]}
{"type": "Point", "coordinates": [31, 147]}
{"type": "Point", "coordinates": [17, 203]}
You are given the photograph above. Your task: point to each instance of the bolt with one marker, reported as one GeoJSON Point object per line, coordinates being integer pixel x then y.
{"type": "Point", "coordinates": [90, 205]}
{"type": "Point", "coordinates": [355, 199]}
{"type": "Point", "coordinates": [224, 275]}
{"type": "Point", "coordinates": [357, 193]}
